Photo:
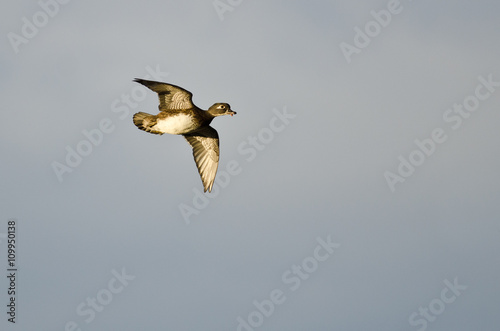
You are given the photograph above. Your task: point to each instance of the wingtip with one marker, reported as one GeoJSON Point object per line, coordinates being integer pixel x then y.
{"type": "Point", "coordinates": [144, 82]}
{"type": "Point", "coordinates": [207, 187]}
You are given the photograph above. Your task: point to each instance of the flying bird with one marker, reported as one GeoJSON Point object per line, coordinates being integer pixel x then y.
{"type": "Point", "coordinates": [178, 115]}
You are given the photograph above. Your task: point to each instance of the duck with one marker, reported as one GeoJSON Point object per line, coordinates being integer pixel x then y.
{"type": "Point", "coordinates": [179, 116]}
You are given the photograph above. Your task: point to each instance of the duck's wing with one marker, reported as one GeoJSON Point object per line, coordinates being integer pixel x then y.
{"type": "Point", "coordinates": [205, 144]}
{"type": "Point", "coordinates": [172, 97]}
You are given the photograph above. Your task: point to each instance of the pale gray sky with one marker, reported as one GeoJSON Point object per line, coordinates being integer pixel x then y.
{"type": "Point", "coordinates": [356, 190]}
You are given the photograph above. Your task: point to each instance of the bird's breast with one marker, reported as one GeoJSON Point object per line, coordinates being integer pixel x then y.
{"type": "Point", "coordinates": [176, 124]}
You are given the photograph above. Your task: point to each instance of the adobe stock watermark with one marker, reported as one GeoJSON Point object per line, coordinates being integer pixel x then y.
{"type": "Point", "coordinates": [31, 26]}
{"type": "Point", "coordinates": [363, 37]}
{"type": "Point", "coordinates": [437, 306]}
{"type": "Point", "coordinates": [453, 116]}
{"type": "Point", "coordinates": [89, 308]}
{"type": "Point", "coordinates": [249, 148]}
{"type": "Point", "coordinates": [292, 279]}
{"type": "Point", "coordinates": [12, 270]}
{"type": "Point", "coordinates": [223, 6]}
{"type": "Point", "coordinates": [94, 137]}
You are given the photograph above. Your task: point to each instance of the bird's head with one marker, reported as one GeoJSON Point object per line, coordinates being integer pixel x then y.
{"type": "Point", "coordinates": [220, 109]}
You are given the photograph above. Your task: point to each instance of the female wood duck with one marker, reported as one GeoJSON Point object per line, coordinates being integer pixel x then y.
{"type": "Point", "coordinates": [178, 115]}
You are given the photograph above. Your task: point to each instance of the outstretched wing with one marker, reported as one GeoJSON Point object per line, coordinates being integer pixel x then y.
{"type": "Point", "coordinates": [171, 96]}
{"type": "Point", "coordinates": [205, 144]}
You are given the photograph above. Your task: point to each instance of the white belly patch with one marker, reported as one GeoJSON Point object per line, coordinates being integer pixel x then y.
{"type": "Point", "coordinates": [177, 124]}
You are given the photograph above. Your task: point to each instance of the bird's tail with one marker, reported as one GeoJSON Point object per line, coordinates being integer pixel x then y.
{"type": "Point", "coordinates": [146, 122]}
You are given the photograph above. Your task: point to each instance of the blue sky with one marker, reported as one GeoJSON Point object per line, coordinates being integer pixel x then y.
{"type": "Point", "coordinates": [354, 192]}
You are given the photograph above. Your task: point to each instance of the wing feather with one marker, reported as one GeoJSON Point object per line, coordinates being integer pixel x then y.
{"type": "Point", "coordinates": [172, 97]}
{"type": "Point", "coordinates": [205, 144]}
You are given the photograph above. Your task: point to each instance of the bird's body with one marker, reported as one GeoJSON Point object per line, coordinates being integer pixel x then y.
{"type": "Point", "coordinates": [177, 124]}
{"type": "Point", "coordinates": [173, 122]}
{"type": "Point", "coordinates": [178, 115]}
